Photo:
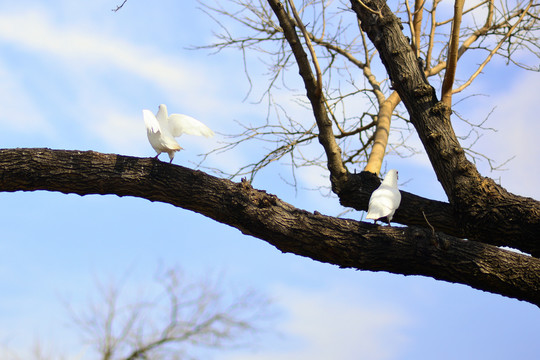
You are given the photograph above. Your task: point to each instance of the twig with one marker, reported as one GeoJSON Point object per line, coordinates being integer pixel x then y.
{"type": "Point", "coordinates": [376, 12]}
{"type": "Point", "coordinates": [119, 6]}
{"type": "Point", "coordinates": [431, 226]}
{"type": "Point", "coordinates": [488, 58]}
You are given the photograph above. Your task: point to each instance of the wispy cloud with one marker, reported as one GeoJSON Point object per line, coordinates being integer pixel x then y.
{"type": "Point", "coordinates": [81, 47]}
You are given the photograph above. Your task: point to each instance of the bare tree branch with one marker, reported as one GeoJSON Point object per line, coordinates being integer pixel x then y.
{"type": "Point", "coordinates": [300, 24]}
{"type": "Point", "coordinates": [466, 189]}
{"type": "Point", "coordinates": [326, 136]}
{"type": "Point", "coordinates": [130, 329]}
{"type": "Point", "coordinates": [452, 57]}
{"type": "Point", "coordinates": [119, 6]}
{"type": "Point", "coordinates": [382, 133]}
{"type": "Point", "coordinates": [495, 49]}
{"type": "Point", "coordinates": [343, 242]}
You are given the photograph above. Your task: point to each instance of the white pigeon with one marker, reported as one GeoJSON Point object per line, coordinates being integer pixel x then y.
{"type": "Point", "coordinates": [385, 199]}
{"type": "Point", "coordinates": [162, 129]}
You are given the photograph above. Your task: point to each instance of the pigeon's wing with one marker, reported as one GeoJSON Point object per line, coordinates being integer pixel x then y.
{"type": "Point", "coordinates": [152, 125]}
{"type": "Point", "coordinates": [183, 124]}
{"type": "Point", "coordinates": [383, 202]}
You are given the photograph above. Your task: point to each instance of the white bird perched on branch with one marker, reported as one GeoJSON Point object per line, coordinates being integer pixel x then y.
{"type": "Point", "coordinates": [385, 199]}
{"type": "Point", "coordinates": [161, 130]}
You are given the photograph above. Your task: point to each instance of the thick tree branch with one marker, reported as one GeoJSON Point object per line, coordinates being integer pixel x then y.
{"type": "Point", "coordinates": [486, 211]}
{"type": "Point", "coordinates": [346, 243]}
{"type": "Point", "coordinates": [413, 210]}
{"type": "Point", "coordinates": [382, 132]}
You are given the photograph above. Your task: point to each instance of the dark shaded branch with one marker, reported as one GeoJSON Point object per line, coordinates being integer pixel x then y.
{"type": "Point", "coordinates": [346, 243]}
{"type": "Point", "coordinates": [413, 210]}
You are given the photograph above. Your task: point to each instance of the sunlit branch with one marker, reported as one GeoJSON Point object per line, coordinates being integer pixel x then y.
{"type": "Point", "coordinates": [494, 51]}
{"type": "Point", "coordinates": [479, 32]}
{"type": "Point", "coordinates": [382, 133]}
{"type": "Point", "coordinates": [431, 40]}
{"type": "Point", "coordinates": [417, 24]}
{"type": "Point", "coordinates": [452, 57]}
{"type": "Point", "coordinates": [465, 12]}
{"type": "Point", "coordinates": [412, 28]}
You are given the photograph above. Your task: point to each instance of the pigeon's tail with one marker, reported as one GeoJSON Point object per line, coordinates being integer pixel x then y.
{"type": "Point", "coordinates": [378, 213]}
{"type": "Point", "coordinates": [373, 216]}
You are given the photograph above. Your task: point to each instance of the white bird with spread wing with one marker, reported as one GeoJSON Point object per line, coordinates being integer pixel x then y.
{"type": "Point", "coordinates": [162, 129]}
{"type": "Point", "coordinates": [385, 199]}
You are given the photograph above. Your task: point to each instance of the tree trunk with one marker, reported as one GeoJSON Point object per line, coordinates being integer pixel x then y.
{"type": "Point", "coordinates": [483, 210]}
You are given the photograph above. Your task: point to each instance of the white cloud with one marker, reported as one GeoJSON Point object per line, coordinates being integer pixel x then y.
{"type": "Point", "coordinates": [333, 324]}
{"type": "Point", "coordinates": [84, 51]}
{"type": "Point", "coordinates": [41, 34]}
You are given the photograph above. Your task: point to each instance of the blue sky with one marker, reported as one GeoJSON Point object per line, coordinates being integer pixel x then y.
{"type": "Point", "coordinates": [75, 75]}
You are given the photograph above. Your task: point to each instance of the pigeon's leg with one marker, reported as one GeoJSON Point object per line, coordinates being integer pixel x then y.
{"type": "Point", "coordinates": [171, 156]}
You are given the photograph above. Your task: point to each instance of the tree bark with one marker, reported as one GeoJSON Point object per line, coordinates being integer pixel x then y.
{"type": "Point", "coordinates": [343, 242]}
{"type": "Point", "coordinates": [413, 210]}
{"type": "Point", "coordinates": [485, 211]}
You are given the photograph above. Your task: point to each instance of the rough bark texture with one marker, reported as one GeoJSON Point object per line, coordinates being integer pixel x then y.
{"type": "Point", "coordinates": [413, 210]}
{"type": "Point", "coordinates": [485, 211]}
{"type": "Point", "coordinates": [346, 243]}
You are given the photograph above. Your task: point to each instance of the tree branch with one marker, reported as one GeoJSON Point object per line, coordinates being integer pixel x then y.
{"type": "Point", "coordinates": [452, 57]}
{"type": "Point", "coordinates": [346, 243]}
{"type": "Point", "coordinates": [486, 211]}
{"type": "Point", "coordinates": [118, 7]}
{"type": "Point", "coordinates": [382, 132]}
{"type": "Point", "coordinates": [412, 211]}
{"type": "Point", "coordinates": [314, 59]}
{"type": "Point", "coordinates": [494, 51]}
{"type": "Point", "coordinates": [338, 172]}
{"type": "Point", "coordinates": [417, 24]}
